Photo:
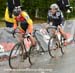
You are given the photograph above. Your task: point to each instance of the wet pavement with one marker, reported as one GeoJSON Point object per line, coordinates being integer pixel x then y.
{"type": "Point", "coordinates": [45, 64]}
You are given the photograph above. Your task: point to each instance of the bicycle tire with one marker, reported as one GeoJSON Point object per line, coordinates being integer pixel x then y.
{"type": "Point", "coordinates": [33, 54]}
{"type": "Point", "coordinates": [10, 56]}
{"type": "Point", "coordinates": [57, 44]}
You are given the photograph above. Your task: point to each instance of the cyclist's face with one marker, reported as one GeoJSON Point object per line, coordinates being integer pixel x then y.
{"type": "Point", "coordinates": [53, 10]}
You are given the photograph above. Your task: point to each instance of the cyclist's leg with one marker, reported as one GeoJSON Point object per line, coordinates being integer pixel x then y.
{"type": "Point", "coordinates": [54, 30]}
{"type": "Point", "coordinates": [30, 30]}
{"type": "Point", "coordinates": [62, 32]}
{"type": "Point", "coordinates": [66, 36]}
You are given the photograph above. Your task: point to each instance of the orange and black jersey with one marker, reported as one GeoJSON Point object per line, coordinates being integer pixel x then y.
{"type": "Point", "coordinates": [24, 17]}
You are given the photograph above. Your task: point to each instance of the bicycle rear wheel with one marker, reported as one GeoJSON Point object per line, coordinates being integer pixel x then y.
{"type": "Point", "coordinates": [54, 47]}
{"type": "Point", "coordinates": [16, 56]}
{"type": "Point", "coordinates": [35, 53]}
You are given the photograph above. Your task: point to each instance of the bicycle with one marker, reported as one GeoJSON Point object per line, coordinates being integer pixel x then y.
{"type": "Point", "coordinates": [38, 50]}
{"type": "Point", "coordinates": [56, 42]}
{"type": "Point", "coordinates": [19, 52]}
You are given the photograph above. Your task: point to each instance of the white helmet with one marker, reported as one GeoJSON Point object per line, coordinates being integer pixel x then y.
{"type": "Point", "coordinates": [54, 6]}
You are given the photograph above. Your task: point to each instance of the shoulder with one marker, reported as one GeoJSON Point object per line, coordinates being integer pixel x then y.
{"type": "Point", "coordinates": [24, 13]}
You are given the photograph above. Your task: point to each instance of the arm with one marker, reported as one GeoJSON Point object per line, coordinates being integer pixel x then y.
{"type": "Point", "coordinates": [49, 17]}
{"type": "Point", "coordinates": [27, 18]}
{"type": "Point", "coordinates": [29, 21]}
{"type": "Point", "coordinates": [15, 23]}
{"type": "Point", "coordinates": [30, 29]}
{"type": "Point", "coordinates": [62, 19]}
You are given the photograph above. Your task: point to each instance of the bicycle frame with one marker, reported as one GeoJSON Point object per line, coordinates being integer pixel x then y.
{"type": "Point", "coordinates": [57, 33]}
{"type": "Point", "coordinates": [25, 41]}
{"type": "Point", "coordinates": [22, 38]}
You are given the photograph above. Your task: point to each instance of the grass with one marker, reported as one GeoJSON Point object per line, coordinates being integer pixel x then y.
{"type": "Point", "coordinates": [39, 21]}
{"type": "Point", "coordinates": [2, 24]}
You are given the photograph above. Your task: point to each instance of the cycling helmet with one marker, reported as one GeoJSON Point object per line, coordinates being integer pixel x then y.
{"type": "Point", "coordinates": [17, 11]}
{"type": "Point", "coordinates": [54, 6]}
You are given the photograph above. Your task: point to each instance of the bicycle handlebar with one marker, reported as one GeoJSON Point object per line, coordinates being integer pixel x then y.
{"type": "Point", "coordinates": [14, 32]}
{"type": "Point", "coordinates": [51, 27]}
{"type": "Point", "coordinates": [8, 30]}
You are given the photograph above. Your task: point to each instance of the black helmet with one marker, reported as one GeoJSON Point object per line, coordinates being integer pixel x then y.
{"type": "Point", "coordinates": [17, 11]}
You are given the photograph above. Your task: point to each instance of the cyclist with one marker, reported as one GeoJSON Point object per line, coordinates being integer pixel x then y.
{"type": "Point", "coordinates": [56, 17]}
{"type": "Point", "coordinates": [26, 24]}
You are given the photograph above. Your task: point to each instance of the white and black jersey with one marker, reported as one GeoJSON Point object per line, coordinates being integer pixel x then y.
{"type": "Point", "coordinates": [56, 19]}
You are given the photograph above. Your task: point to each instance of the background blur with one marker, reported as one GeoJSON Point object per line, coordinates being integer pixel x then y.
{"type": "Point", "coordinates": [37, 8]}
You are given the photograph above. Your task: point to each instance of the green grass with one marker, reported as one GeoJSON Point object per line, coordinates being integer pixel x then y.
{"type": "Point", "coordinates": [2, 24]}
{"type": "Point", "coordinates": [39, 21]}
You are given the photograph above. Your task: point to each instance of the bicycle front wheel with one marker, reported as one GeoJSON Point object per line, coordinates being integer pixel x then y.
{"type": "Point", "coordinates": [54, 47]}
{"type": "Point", "coordinates": [16, 56]}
